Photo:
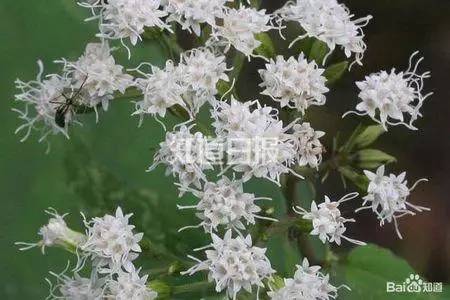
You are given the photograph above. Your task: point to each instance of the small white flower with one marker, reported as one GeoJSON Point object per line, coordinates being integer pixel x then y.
{"type": "Point", "coordinates": [130, 286]}
{"type": "Point", "coordinates": [308, 146]}
{"type": "Point", "coordinates": [258, 143]}
{"type": "Point", "coordinates": [55, 233]}
{"type": "Point", "coordinates": [41, 99]}
{"type": "Point", "coordinates": [308, 284]}
{"type": "Point", "coordinates": [330, 22]}
{"type": "Point", "coordinates": [224, 203]}
{"type": "Point", "coordinates": [201, 70]}
{"type": "Point", "coordinates": [393, 98]}
{"type": "Point", "coordinates": [239, 29]}
{"type": "Point", "coordinates": [162, 89]}
{"type": "Point", "coordinates": [184, 155]}
{"type": "Point", "coordinates": [122, 19]}
{"type": "Point", "coordinates": [234, 264]}
{"type": "Point", "coordinates": [99, 75]}
{"type": "Point", "coordinates": [387, 197]}
{"type": "Point", "coordinates": [190, 14]}
{"type": "Point", "coordinates": [111, 241]}
{"type": "Point", "coordinates": [327, 221]}
{"type": "Point", "coordinates": [77, 288]}
{"type": "Point", "coordinates": [294, 83]}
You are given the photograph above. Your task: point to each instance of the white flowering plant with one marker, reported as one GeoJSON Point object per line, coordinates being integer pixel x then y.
{"type": "Point", "coordinates": [268, 242]}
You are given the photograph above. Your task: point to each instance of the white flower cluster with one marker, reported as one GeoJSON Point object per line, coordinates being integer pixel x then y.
{"type": "Point", "coordinates": [387, 197]}
{"type": "Point", "coordinates": [393, 98]}
{"type": "Point", "coordinates": [122, 19]}
{"type": "Point", "coordinates": [249, 122]}
{"type": "Point", "coordinates": [327, 220]}
{"type": "Point", "coordinates": [129, 285]}
{"type": "Point", "coordinates": [308, 147]}
{"type": "Point", "coordinates": [294, 83]}
{"type": "Point", "coordinates": [76, 287]}
{"type": "Point", "coordinates": [189, 84]}
{"type": "Point", "coordinates": [182, 153]}
{"type": "Point", "coordinates": [52, 102]}
{"type": "Point", "coordinates": [55, 233]}
{"type": "Point", "coordinates": [240, 28]}
{"type": "Point", "coordinates": [234, 264]}
{"type": "Point", "coordinates": [224, 203]}
{"type": "Point", "coordinates": [111, 241]}
{"type": "Point", "coordinates": [112, 245]}
{"type": "Point", "coordinates": [97, 75]}
{"type": "Point", "coordinates": [190, 14]}
{"type": "Point", "coordinates": [308, 284]}
{"type": "Point", "coordinates": [258, 142]}
{"type": "Point", "coordinates": [41, 99]}
{"type": "Point", "coordinates": [330, 22]}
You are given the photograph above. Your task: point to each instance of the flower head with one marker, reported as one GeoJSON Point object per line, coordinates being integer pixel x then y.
{"type": "Point", "coordinates": [201, 70]}
{"type": "Point", "coordinates": [190, 14]}
{"type": "Point", "coordinates": [327, 220]}
{"type": "Point", "coordinates": [225, 203]}
{"type": "Point", "coordinates": [122, 19]}
{"type": "Point", "coordinates": [184, 155]}
{"type": "Point", "coordinates": [308, 146]}
{"type": "Point", "coordinates": [111, 241]}
{"type": "Point", "coordinates": [76, 288]}
{"type": "Point", "coordinates": [329, 22]}
{"type": "Point", "coordinates": [41, 99]}
{"type": "Point", "coordinates": [55, 233]}
{"type": "Point", "coordinates": [130, 286]}
{"type": "Point", "coordinates": [258, 143]}
{"type": "Point", "coordinates": [387, 197]}
{"type": "Point", "coordinates": [393, 98]}
{"type": "Point", "coordinates": [99, 75]}
{"type": "Point", "coordinates": [161, 89]}
{"type": "Point", "coordinates": [239, 29]}
{"type": "Point", "coordinates": [233, 264]}
{"type": "Point", "coordinates": [294, 83]}
{"type": "Point", "coordinates": [308, 284]}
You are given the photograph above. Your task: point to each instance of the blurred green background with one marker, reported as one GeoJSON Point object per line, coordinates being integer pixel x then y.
{"type": "Point", "coordinates": [114, 153]}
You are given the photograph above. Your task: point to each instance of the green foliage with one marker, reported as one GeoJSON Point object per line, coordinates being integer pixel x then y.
{"type": "Point", "coordinates": [356, 178]}
{"type": "Point", "coordinates": [266, 49]}
{"type": "Point", "coordinates": [368, 136]}
{"type": "Point", "coordinates": [353, 156]}
{"type": "Point", "coordinates": [367, 270]}
{"type": "Point", "coordinates": [334, 72]}
{"type": "Point", "coordinates": [318, 51]}
{"type": "Point", "coordinates": [100, 191]}
{"type": "Point", "coordinates": [372, 158]}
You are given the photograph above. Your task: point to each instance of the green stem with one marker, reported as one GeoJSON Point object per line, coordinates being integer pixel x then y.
{"type": "Point", "coordinates": [291, 195]}
{"type": "Point", "coordinates": [159, 252]}
{"type": "Point", "coordinates": [192, 287]}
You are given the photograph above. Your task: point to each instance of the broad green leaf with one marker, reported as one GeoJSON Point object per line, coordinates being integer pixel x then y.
{"type": "Point", "coordinates": [223, 87]}
{"type": "Point", "coordinates": [318, 51]}
{"type": "Point", "coordinates": [266, 49]}
{"type": "Point", "coordinates": [370, 267]}
{"type": "Point", "coordinates": [350, 143]}
{"type": "Point", "coordinates": [335, 72]}
{"type": "Point", "coordinates": [357, 179]}
{"type": "Point", "coordinates": [369, 136]}
{"type": "Point", "coordinates": [372, 158]}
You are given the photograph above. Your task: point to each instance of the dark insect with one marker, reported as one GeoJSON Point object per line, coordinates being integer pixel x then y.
{"type": "Point", "coordinates": [64, 107]}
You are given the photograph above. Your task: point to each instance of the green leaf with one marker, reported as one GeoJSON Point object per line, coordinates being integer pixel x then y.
{"type": "Point", "coordinates": [368, 136]}
{"type": "Point", "coordinates": [368, 270]}
{"type": "Point", "coordinates": [334, 72]}
{"type": "Point", "coordinates": [372, 158]}
{"type": "Point", "coordinates": [359, 180]}
{"type": "Point", "coordinates": [318, 51]}
{"type": "Point", "coordinates": [266, 49]}
{"type": "Point", "coordinates": [350, 143]}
